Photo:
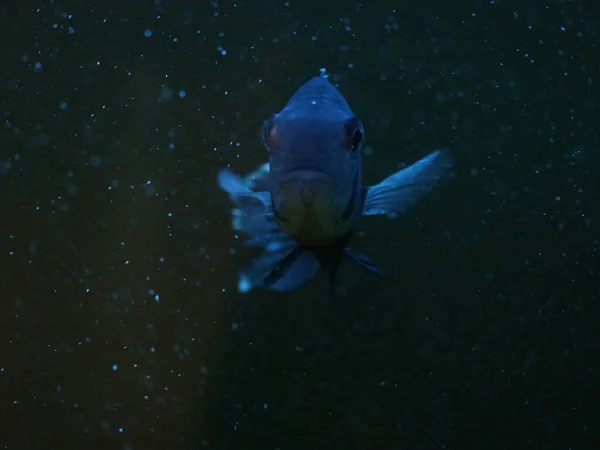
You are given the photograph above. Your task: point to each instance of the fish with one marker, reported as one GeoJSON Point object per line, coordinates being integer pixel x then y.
{"type": "Point", "coordinates": [302, 207]}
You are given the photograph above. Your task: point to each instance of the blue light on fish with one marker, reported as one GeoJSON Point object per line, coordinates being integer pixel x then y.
{"type": "Point", "coordinates": [303, 206]}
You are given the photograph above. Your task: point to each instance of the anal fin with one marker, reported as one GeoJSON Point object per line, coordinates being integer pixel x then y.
{"type": "Point", "coordinates": [364, 262]}
{"type": "Point", "coordinates": [283, 267]}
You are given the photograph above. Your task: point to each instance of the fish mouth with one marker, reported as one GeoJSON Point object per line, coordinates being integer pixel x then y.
{"type": "Point", "coordinates": [306, 171]}
{"type": "Point", "coordinates": [305, 202]}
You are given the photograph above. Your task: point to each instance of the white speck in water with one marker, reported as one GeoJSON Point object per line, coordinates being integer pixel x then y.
{"type": "Point", "coordinates": [244, 284]}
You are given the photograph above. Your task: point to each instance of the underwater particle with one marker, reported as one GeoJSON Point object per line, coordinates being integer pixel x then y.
{"type": "Point", "coordinates": [5, 167]}
{"type": "Point", "coordinates": [115, 367]}
{"type": "Point", "coordinates": [182, 93]}
{"type": "Point", "coordinates": [95, 160]}
{"type": "Point", "coordinates": [37, 67]}
{"type": "Point", "coordinates": [244, 284]}
{"type": "Point", "coordinates": [63, 105]}
{"type": "Point", "coordinates": [147, 33]}
{"type": "Point", "coordinates": [166, 93]}
{"type": "Point", "coordinates": [38, 141]}
{"type": "Point", "coordinates": [72, 188]}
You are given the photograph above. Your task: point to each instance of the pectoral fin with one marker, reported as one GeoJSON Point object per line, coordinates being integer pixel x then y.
{"type": "Point", "coordinates": [398, 192]}
{"type": "Point", "coordinates": [280, 267]}
{"type": "Point", "coordinates": [252, 214]}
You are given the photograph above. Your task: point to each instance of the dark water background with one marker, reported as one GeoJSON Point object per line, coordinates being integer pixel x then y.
{"type": "Point", "coordinates": [121, 327]}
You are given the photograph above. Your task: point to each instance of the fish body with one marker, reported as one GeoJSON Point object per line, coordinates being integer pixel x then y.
{"type": "Point", "coordinates": [304, 204]}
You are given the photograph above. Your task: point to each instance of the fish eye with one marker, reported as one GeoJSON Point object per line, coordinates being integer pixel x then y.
{"type": "Point", "coordinates": [268, 133]}
{"type": "Point", "coordinates": [354, 134]}
{"type": "Point", "coordinates": [357, 138]}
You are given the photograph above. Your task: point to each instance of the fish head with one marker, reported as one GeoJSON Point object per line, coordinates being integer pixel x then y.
{"type": "Point", "coordinates": [314, 147]}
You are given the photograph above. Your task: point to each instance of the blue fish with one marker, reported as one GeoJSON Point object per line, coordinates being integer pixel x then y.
{"type": "Point", "coordinates": [304, 204]}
